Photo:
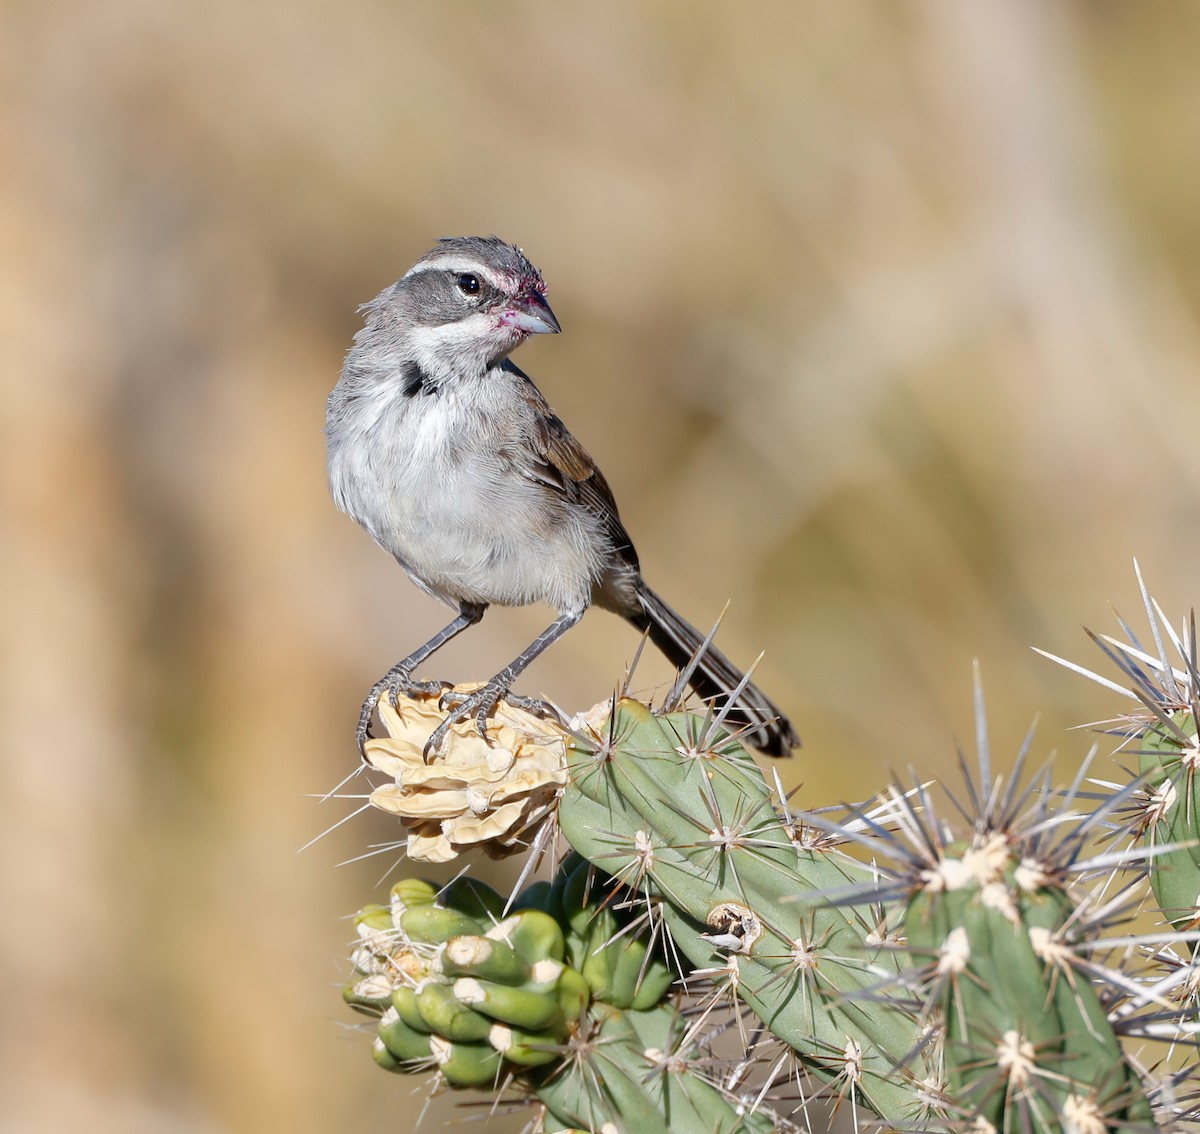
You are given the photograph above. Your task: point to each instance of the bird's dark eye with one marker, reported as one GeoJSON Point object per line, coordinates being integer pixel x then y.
{"type": "Point", "coordinates": [468, 284]}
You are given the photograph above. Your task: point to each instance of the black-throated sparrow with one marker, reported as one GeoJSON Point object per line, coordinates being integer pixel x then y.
{"type": "Point", "coordinates": [453, 461]}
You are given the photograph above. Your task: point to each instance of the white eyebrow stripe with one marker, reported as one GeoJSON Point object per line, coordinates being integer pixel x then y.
{"type": "Point", "coordinates": [453, 263]}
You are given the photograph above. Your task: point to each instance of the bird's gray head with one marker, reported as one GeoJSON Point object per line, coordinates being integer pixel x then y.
{"type": "Point", "coordinates": [461, 308]}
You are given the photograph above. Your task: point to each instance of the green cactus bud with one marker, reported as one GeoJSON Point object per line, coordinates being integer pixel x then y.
{"type": "Point", "coordinates": [486, 958]}
{"type": "Point", "coordinates": [574, 906]}
{"type": "Point", "coordinates": [404, 1002]}
{"type": "Point", "coordinates": [466, 1064]}
{"type": "Point", "coordinates": [409, 892]}
{"type": "Point", "coordinates": [574, 994]}
{"type": "Point", "coordinates": [536, 896]}
{"type": "Point", "coordinates": [519, 1007]}
{"type": "Point", "coordinates": [385, 1058]}
{"type": "Point", "coordinates": [374, 918]}
{"type": "Point", "coordinates": [533, 934]}
{"type": "Point", "coordinates": [406, 1044]}
{"type": "Point", "coordinates": [649, 985]}
{"type": "Point", "coordinates": [632, 962]}
{"type": "Point", "coordinates": [432, 925]}
{"type": "Point", "coordinates": [529, 1049]}
{"type": "Point", "coordinates": [597, 970]}
{"type": "Point", "coordinates": [370, 994]}
{"type": "Point", "coordinates": [446, 1015]}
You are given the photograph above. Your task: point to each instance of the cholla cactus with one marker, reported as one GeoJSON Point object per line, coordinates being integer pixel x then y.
{"type": "Point", "coordinates": [919, 968]}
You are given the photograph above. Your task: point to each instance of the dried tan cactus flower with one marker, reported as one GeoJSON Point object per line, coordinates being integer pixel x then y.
{"type": "Point", "coordinates": [491, 794]}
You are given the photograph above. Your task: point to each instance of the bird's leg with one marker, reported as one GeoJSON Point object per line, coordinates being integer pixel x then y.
{"type": "Point", "coordinates": [483, 700]}
{"type": "Point", "coordinates": [398, 679]}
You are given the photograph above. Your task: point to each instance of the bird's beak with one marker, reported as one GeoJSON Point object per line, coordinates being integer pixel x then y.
{"type": "Point", "coordinates": [531, 313]}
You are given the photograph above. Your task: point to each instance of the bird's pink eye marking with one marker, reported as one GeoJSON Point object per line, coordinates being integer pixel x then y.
{"type": "Point", "coordinates": [526, 284]}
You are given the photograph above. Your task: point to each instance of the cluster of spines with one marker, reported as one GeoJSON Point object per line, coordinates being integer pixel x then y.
{"type": "Point", "coordinates": [1159, 807]}
{"type": "Point", "coordinates": [1008, 925]}
{"type": "Point", "coordinates": [1024, 1037]}
{"type": "Point", "coordinates": [1164, 736]}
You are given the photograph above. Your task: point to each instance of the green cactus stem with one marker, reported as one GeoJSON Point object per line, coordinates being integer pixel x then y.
{"type": "Point", "coordinates": [1026, 1042]}
{"type": "Point", "coordinates": [677, 808]}
{"type": "Point", "coordinates": [627, 1074]}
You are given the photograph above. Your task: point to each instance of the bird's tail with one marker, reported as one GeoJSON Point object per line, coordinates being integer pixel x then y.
{"type": "Point", "coordinates": [715, 677]}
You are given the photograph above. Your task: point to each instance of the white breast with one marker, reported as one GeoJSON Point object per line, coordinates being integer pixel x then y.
{"type": "Point", "coordinates": [428, 477]}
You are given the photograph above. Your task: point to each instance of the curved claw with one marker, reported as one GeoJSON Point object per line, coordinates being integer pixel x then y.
{"type": "Point", "coordinates": [451, 699]}
{"type": "Point", "coordinates": [435, 739]}
{"type": "Point", "coordinates": [393, 683]}
{"type": "Point", "coordinates": [362, 731]}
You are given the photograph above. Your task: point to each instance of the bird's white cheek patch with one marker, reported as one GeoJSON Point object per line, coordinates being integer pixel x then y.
{"type": "Point", "coordinates": [437, 340]}
{"type": "Point", "coordinates": [462, 347]}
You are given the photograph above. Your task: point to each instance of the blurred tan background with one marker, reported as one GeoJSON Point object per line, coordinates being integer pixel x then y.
{"type": "Point", "coordinates": [881, 319]}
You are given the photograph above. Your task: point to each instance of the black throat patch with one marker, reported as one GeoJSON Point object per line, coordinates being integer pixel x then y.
{"type": "Point", "coordinates": [416, 381]}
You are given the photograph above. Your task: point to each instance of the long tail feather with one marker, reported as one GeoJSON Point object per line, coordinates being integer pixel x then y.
{"type": "Point", "coordinates": [715, 677]}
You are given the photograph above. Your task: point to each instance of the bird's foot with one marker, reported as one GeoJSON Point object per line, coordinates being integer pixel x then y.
{"type": "Point", "coordinates": [481, 703]}
{"type": "Point", "coordinates": [452, 698]}
{"type": "Point", "coordinates": [391, 685]}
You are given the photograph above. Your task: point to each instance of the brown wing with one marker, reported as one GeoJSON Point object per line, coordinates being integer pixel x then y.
{"type": "Point", "coordinates": [562, 464]}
